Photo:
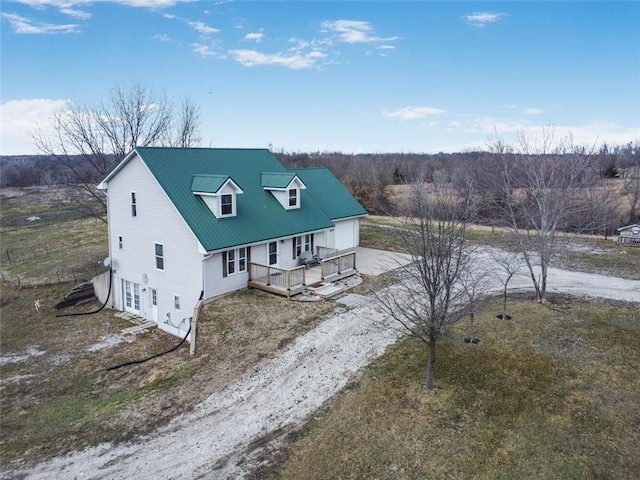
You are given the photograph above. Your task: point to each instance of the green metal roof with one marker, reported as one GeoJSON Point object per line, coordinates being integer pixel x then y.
{"type": "Point", "coordinates": [260, 216]}
{"type": "Point", "coordinates": [326, 190]}
{"type": "Point", "coordinates": [208, 183]}
{"type": "Point", "coordinates": [276, 180]}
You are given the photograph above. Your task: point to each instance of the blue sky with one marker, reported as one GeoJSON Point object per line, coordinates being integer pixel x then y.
{"type": "Point", "coordinates": [357, 76]}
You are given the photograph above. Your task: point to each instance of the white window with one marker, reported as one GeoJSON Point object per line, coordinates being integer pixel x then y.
{"type": "Point", "coordinates": [159, 252]}
{"type": "Point", "coordinates": [134, 206]}
{"type": "Point", "coordinates": [242, 259]}
{"type": "Point", "coordinates": [293, 197]}
{"type": "Point", "coordinates": [176, 302]}
{"type": "Point", "coordinates": [303, 243]}
{"type": "Point", "coordinates": [120, 243]}
{"type": "Point", "coordinates": [231, 262]}
{"type": "Point", "coordinates": [226, 205]}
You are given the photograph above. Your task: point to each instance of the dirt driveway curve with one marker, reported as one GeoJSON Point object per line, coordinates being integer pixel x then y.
{"type": "Point", "coordinates": [219, 439]}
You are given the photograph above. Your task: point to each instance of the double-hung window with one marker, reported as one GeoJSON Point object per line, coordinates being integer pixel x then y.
{"type": "Point", "coordinates": [134, 205]}
{"type": "Point", "coordinates": [231, 262]}
{"type": "Point", "coordinates": [120, 242]}
{"type": "Point", "coordinates": [235, 261]}
{"type": "Point", "coordinates": [226, 205]}
{"type": "Point", "coordinates": [242, 259]}
{"type": "Point", "coordinates": [159, 253]}
{"type": "Point", "coordinates": [293, 197]}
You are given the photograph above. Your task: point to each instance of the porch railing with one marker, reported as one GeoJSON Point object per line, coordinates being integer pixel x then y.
{"type": "Point", "coordinates": [277, 277]}
{"type": "Point", "coordinates": [326, 252]}
{"type": "Point", "coordinates": [338, 264]}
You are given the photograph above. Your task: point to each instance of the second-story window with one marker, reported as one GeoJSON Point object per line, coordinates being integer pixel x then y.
{"type": "Point", "coordinates": [293, 197]}
{"type": "Point", "coordinates": [134, 206]}
{"type": "Point", "coordinates": [226, 205]}
{"type": "Point", "coordinates": [159, 251]}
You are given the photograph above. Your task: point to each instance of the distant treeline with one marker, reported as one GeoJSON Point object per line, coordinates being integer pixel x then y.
{"type": "Point", "coordinates": [388, 168]}
{"type": "Point", "coordinates": [32, 170]}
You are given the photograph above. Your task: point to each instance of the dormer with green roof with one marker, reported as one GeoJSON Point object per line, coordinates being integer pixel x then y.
{"type": "Point", "coordinates": [285, 187]}
{"type": "Point", "coordinates": [218, 192]}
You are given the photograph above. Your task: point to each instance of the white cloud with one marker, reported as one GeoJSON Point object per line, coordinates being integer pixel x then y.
{"type": "Point", "coordinates": [197, 25]}
{"type": "Point", "coordinates": [203, 50]}
{"type": "Point", "coordinates": [413, 113]}
{"type": "Point", "coordinates": [20, 119]}
{"type": "Point", "coordinates": [353, 31]}
{"type": "Point", "coordinates": [257, 36]}
{"type": "Point", "coordinates": [79, 14]}
{"type": "Point", "coordinates": [24, 25]}
{"type": "Point", "coordinates": [293, 61]}
{"type": "Point", "coordinates": [482, 19]}
{"type": "Point", "coordinates": [202, 27]}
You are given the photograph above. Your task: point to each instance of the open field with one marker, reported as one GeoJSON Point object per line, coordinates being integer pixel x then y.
{"type": "Point", "coordinates": [553, 393]}
{"type": "Point", "coordinates": [61, 245]}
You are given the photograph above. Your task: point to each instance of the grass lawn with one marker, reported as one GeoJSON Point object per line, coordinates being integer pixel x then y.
{"type": "Point", "coordinates": [57, 395]}
{"type": "Point", "coordinates": [553, 393]}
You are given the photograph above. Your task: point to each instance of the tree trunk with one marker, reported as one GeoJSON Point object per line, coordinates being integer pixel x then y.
{"type": "Point", "coordinates": [431, 357]}
{"type": "Point", "coordinates": [504, 304]}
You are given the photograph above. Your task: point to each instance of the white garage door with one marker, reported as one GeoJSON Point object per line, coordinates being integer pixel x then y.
{"type": "Point", "coordinates": [346, 234]}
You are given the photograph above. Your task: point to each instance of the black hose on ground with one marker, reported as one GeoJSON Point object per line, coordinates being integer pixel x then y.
{"type": "Point", "coordinates": [134, 362]}
{"type": "Point", "coordinates": [94, 311]}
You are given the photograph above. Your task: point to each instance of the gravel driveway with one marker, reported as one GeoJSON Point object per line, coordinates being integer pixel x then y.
{"type": "Point", "coordinates": [217, 439]}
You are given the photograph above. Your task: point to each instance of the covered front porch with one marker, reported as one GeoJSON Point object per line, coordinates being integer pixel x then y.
{"type": "Point", "coordinates": [330, 266]}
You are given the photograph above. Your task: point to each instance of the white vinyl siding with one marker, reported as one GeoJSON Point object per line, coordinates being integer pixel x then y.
{"type": "Point", "coordinates": [156, 222]}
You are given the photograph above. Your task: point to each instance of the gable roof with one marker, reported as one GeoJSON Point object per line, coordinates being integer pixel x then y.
{"type": "Point", "coordinates": [210, 183]}
{"type": "Point", "coordinates": [259, 217]}
{"type": "Point", "coordinates": [278, 181]}
{"type": "Point", "coordinates": [324, 188]}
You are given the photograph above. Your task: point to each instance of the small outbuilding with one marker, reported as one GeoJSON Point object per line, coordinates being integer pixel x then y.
{"type": "Point", "coordinates": [629, 235]}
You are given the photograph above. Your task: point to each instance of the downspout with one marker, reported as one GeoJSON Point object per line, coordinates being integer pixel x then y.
{"type": "Point", "coordinates": [196, 310]}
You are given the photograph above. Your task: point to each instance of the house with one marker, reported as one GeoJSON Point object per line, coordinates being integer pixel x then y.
{"type": "Point", "coordinates": [629, 235]}
{"type": "Point", "coordinates": [187, 224]}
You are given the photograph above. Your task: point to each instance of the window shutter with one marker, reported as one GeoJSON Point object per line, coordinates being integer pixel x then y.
{"type": "Point", "coordinates": [248, 256]}
{"type": "Point", "coordinates": [294, 242]}
{"type": "Point", "coordinates": [224, 264]}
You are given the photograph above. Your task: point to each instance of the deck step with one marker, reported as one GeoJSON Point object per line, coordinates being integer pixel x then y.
{"type": "Point", "coordinates": [327, 290]}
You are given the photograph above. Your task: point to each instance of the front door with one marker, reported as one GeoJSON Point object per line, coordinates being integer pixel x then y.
{"type": "Point", "coordinates": [153, 301]}
{"type": "Point", "coordinates": [273, 253]}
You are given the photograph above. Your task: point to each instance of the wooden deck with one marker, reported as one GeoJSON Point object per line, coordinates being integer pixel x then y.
{"type": "Point", "coordinates": [288, 282]}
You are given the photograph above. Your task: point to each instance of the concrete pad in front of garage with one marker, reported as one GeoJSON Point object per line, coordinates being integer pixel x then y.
{"type": "Point", "coordinates": [375, 262]}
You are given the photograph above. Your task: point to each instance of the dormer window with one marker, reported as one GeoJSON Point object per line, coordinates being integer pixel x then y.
{"type": "Point", "coordinates": [218, 192]}
{"type": "Point", "coordinates": [226, 205]}
{"type": "Point", "coordinates": [285, 187]}
{"type": "Point", "coordinates": [293, 197]}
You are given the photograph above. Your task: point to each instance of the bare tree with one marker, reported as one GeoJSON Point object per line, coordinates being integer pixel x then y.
{"type": "Point", "coordinates": [88, 140]}
{"type": "Point", "coordinates": [509, 265]}
{"type": "Point", "coordinates": [548, 192]}
{"type": "Point", "coordinates": [474, 283]}
{"type": "Point", "coordinates": [427, 297]}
